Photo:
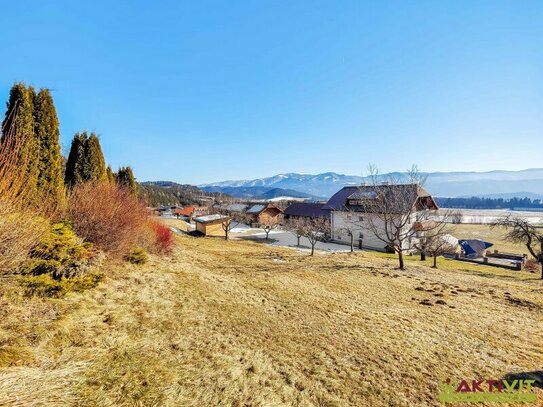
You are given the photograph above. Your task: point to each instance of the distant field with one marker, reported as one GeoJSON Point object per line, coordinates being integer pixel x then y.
{"type": "Point", "coordinates": [491, 215]}
{"type": "Point", "coordinates": [485, 232]}
{"type": "Point", "coordinates": [240, 323]}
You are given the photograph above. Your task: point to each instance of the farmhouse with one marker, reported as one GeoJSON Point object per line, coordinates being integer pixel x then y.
{"type": "Point", "coordinates": [301, 210]}
{"type": "Point", "coordinates": [351, 208]}
{"type": "Point", "coordinates": [264, 214]}
{"type": "Point", "coordinates": [211, 225]}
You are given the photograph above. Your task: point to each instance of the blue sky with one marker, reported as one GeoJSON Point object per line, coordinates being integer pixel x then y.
{"type": "Point", "coordinates": [206, 91]}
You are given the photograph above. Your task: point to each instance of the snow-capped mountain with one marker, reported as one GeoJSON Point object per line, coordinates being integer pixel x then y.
{"type": "Point", "coordinates": [446, 184]}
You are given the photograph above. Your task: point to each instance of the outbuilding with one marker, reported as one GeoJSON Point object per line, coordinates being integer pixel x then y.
{"type": "Point", "coordinates": [264, 214]}
{"type": "Point", "coordinates": [211, 225]}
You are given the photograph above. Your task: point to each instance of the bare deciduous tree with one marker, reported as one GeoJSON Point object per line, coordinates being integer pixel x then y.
{"type": "Point", "coordinates": [393, 207]}
{"type": "Point", "coordinates": [315, 230]}
{"type": "Point", "coordinates": [522, 232]}
{"type": "Point", "coordinates": [351, 226]}
{"type": "Point", "coordinates": [296, 227]}
{"type": "Point", "coordinates": [434, 237]}
{"type": "Point", "coordinates": [234, 219]}
{"type": "Point", "coordinates": [270, 225]}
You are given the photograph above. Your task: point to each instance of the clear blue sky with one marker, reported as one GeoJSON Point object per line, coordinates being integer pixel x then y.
{"type": "Point", "coordinates": [206, 91]}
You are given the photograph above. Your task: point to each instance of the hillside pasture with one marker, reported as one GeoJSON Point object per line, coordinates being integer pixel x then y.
{"type": "Point", "coordinates": [241, 323]}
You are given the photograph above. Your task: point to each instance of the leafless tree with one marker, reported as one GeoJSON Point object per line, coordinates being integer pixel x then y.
{"type": "Point", "coordinates": [268, 226]}
{"type": "Point", "coordinates": [433, 239]}
{"type": "Point", "coordinates": [296, 227]}
{"type": "Point", "coordinates": [315, 230]}
{"type": "Point", "coordinates": [457, 217]}
{"type": "Point", "coordinates": [520, 231]}
{"type": "Point", "coordinates": [234, 219]}
{"type": "Point", "coordinates": [394, 207]}
{"type": "Point", "coordinates": [351, 226]}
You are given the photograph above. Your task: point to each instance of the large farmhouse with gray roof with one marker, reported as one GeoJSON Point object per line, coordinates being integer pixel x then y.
{"type": "Point", "coordinates": [351, 207]}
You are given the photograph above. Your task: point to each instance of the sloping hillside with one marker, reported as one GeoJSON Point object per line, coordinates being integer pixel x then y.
{"type": "Point", "coordinates": [240, 323]}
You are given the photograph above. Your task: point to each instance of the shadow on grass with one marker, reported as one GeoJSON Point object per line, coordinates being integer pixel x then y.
{"type": "Point", "coordinates": [258, 239]}
{"type": "Point", "coordinates": [535, 375]}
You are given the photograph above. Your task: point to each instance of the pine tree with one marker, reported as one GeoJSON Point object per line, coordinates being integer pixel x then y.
{"type": "Point", "coordinates": [125, 178]}
{"type": "Point", "coordinates": [86, 161]}
{"type": "Point", "coordinates": [47, 131]}
{"type": "Point", "coordinates": [19, 124]}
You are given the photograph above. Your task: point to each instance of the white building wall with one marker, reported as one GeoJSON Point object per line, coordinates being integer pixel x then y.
{"type": "Point", "coordinates": [358, 223]}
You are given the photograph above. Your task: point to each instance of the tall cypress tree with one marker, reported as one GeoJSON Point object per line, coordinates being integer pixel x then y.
{"type": "Point", "coordinates": [76, 160]}
{"type": "Point", "coordinates": [96, 164]}
{"type": "Point", "coordinates": [110, 175]}
{"type": "Point", "coordinates": [47, 132]}
{"type": "Point", "coordinates": [86, 161]}
{"type": "Point", "coordinates": [19, 124]}
{"type": "Point", "coordinates": [125, 178]}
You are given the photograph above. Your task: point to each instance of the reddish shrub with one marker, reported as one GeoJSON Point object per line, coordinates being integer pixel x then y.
{"type": "Point", "coordinates": [109, 216]}
{"type": "Point", "coordinates": [163, 237]}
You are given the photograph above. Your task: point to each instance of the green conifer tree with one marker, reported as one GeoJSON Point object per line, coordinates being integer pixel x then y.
{"type": "Point", "coordinates": [76, 161]}
{"type": "Point", "coordinates": [86, 161]}
{"type": "Point", "coordinates": [19, 124]}
{"type": "Point", "coordinates": [47, 131]}
{"type": "Point", "coordinates": [95, 162]}
{"type": "Point", "coordinates": [110, 175]}
{"type": "Point", "coordinates": [125, 178]}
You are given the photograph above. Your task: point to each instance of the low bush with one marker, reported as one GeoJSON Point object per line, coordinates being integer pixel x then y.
{"type": "Point", "coordinates": [163, 237]}
{"type": "Point", "coordinates": [61, 253]}
{"type": "Point", "coordinates": [46, 286]}
{"type": "Point", "coordinates": [107, 215]}
{"type": "Point", "coordinates": [137, 256]}
{"type": "Point", "coordinates": [532, 265]}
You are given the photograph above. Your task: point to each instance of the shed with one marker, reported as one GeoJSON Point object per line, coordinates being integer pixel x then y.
{"type": "Point", "coordinates": [211, 225]}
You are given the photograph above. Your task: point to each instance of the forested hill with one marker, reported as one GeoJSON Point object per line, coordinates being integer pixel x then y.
{"type": "Point", "coordinates": [171, 193]}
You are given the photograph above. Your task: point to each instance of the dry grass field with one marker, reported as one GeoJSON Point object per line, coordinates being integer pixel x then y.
{"type": "Point", "coordinates": [485, 232]}
{"type": "Point", "coordinates": [239, 323]}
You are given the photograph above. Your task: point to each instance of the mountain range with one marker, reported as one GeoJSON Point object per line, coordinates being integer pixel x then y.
{"type": "Point", "coordinates": [496, 184]}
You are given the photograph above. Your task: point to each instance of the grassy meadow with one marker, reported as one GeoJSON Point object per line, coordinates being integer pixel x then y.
{"type": "Point", "coordinates": [485, 232]}
{"type": "Point", "coordinates": [240, 323]}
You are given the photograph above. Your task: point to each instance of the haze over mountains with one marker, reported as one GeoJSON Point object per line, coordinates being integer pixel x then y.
{"type": "Point", "coordinates": [496, 184]}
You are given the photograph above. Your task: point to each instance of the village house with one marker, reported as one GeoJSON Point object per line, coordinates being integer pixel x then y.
{"type": "Point", "coordinates": [191, 211]}
{"type": "Point", "coordinates": [264, 214]}
{"type": "Point", "coordinates": [351, 208]}
{"type": "Point", "coordinates": [211, 225]}
{"type": "Point", "coordinates": [302, 210]}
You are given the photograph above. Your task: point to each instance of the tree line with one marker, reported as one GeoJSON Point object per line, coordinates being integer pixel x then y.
{"type": "Point", "coordinates": [32, 120]}
{"type": "Point", "coordinates": [475, 202]}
